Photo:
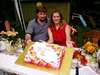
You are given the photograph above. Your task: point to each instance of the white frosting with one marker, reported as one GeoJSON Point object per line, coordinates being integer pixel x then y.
{"type": "Point", "coordinates": [43, 52]}
{"type": "Point", "coordinates": [49, 54]}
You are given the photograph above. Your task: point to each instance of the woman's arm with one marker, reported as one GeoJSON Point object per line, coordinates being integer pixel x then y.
{"type": "Point", "coordinates": [50, 40]}
{"type": "Point", "coordinates": [68, 32]}
{"type": "Point", "coordinates": [69, 43]}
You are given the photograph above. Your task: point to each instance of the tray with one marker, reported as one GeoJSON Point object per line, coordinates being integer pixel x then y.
{"type": "Point", "coordinates": [65, 65]}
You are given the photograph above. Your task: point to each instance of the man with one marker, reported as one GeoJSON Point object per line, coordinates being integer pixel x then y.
{"type": "Point", "coordinates": [37, 28]}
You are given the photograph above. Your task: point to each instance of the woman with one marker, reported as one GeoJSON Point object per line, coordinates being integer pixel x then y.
{"type": "Point", "coordinates": [59, 31]}
{"type": "Point", "coordinates": [6, 26]}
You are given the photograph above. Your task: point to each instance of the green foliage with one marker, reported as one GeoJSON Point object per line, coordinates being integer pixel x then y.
{"type": "Point", "coordinates": [80, 37]}
{"type": "Point", "coordinates": [18, 29]}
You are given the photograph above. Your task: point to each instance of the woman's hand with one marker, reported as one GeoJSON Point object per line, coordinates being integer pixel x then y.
{"type": "Point", "coordinates": [70, 44]}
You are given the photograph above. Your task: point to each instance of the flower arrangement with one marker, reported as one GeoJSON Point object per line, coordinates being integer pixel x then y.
{"type": "Point", "coordinates": [86, 54]}
{"type": "Point", "coordinates": [11, 39]}
{"type": "Point", "coordinates": [10, 36]}
{"type": "Point", "coordinates": [90, 48]}
{"type": "Point", "coordinates": [80, 57]}
{"type": "Point", "coordinates": [9, 33]}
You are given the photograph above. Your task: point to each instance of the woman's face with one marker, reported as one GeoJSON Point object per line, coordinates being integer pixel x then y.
{"type": "Point", "coordinates": [7, 25]}
{"type": "Point", "coordinates": [56, 18]}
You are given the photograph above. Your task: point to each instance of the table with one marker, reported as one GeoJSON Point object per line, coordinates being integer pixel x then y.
{"type": "Point", "coordinates": [7, 63]}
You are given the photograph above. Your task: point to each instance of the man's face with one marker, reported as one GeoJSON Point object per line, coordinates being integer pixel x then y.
{"type": "Point", "coordinates": [41, 16]}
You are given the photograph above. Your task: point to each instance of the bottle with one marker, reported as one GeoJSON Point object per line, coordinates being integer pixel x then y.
{"type": "Point", "coordinates": [77, 68]}
{"type": "Point", "coordinates": [77, 71]}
